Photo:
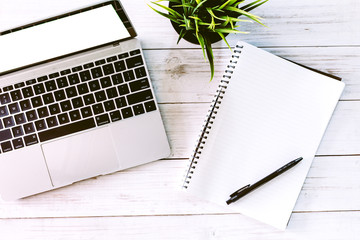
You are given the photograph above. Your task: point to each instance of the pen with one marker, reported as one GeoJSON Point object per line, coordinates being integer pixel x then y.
{"type": "Point", "coordinates": [249, 188]}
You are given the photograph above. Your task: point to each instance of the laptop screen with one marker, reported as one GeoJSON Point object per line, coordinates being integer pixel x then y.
{"type": "Point", "coordinates": [63, 35]}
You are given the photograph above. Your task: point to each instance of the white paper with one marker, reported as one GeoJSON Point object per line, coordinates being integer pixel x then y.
{"type": "Point", "coordinates": [60, 37]}
{"type": "Point", "coordinates": [272, 113]}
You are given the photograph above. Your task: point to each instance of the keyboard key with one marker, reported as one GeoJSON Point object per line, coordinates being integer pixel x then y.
{"type": "Point", "coordinates": [100, 96]}
{"type": "Point", "coordinates": [36, 101]}
{"type": "Point", "coordinates": [111, 93]}
{"type": "Point", "coordinates": [97, 108]}
{"type": "Point", "coordinates": [150, 106]}
{"type": "Point", "coordinates": [120, 102]}
{"type": "Point", "coordinates": [63, 118]}
{"type": "Point", "coordinates": [74, 78]}
{"type": "Point", "coordinates": [31, 115]}
{"type": "Point", "coordinates": [6, 146]}
{"type": "Point", "coordinates": [3, 111]}
{"type": "Point", "coordinates": [18, 143]}
{"type": "Point", "coordinates": [59, 95]}
{"type": "Point", "coordinates": [14, 108]}
{"type": "Point", "coordinates": [129, 75]}
{"type": "Point", "coordinates": [65, 106]}
{"type": "Point", "coordinates": [5, 135]}
{"type": "Point", "coordinates": [115, 116]}
{"type": "Point", "coordinates": [54, 75]}
{"type": "Point", "coordinates": [88, 65]}
{"type": "Point", "coordinates": [27, 92]}
{"type": "Point", "coordinates": [89, 99]}
{"type": "Point", "coordinates": [65, 72]}
{"type": "Point", "coordinates": [66, 130]}
{"type": "Point", "coordinates": [5, 98]}
{"type": "Point", "coordinates": [51, 121]}
{"type": "Point", "coordinates": [71, 92]}
{"type": "Point", "coordinates": [20, 118]}
{"type": "Point", "coordinates": [62, 82]}
{"type": "Point", "coordinates": [105, 82]}
{"type": "Point", "coordinates": [9, 122]}
{"type": "Point", "coordinates": [138, 109]}
{"type": "Point", "coordinates": [86, 112]}
{"type": "Point", "coordinates": [25, 105]}
{"type": "Point", "coordinates": [50, 85]}
{"type": "Point", "coordinates": [102, 119]}
{"type": "Point", "coordinates": [43, 78]}
{"type": "Point", "coordinates": [120, 66]}
{"type": "Point", "coordinates": [126, 112]}
{"type": "Point", "coordinates": [94, 85]}
{"type": "Point", "coordinates": [39, 88]}
{"type": "Point", "coordinates": [77, 102]}
{"type": "Point", "coordinates": [19, 85]}
{"type": "Point", "coordinates": [29, 128]}
{"type": "Point", "coordinates": [76, 69]}
{"type": "Point", "coordinates": [96, 72]}
{"type": "Point", "coordinates": [82, 88]}
{"type": "Point", "coordinates": [117, 79]}
{"type": "Point", "coordinates": [43, 112]}
{"type": "Point", "coordinates": [135, 52]}
{"type": "Point", "coordinates": [40, 125]}
{"type": "Point", "coordinates": [140, 72]}
{"type": "Point", "coordinates": [85, 76]}
{"type": "Point", "coordinates": [108, 69]}
{"type": "Point", "coordinates": [139, 85]}
{"type": "Point", "coordinates": [29, 82]}
{"type": "Point", "coordinates": [134, 62]}
{"type": "Point", "coordinates": [54, 109]}
{"type": "Point", "coordinates": [17, 131]}
{"type": "Point", "coordinates": [16, 95]}
{"type": "Point", "coordinates": [100, 62]}
{"type": "Point", "coordinates": [123, 55]}
{"type": "Point", "coordinates": [8, 88]}
{"type": "Point", "coordinates": [74, 115]}
{"type": "Point", "coordinates": [109, 105]}
{"type": "Point", "coordinates": [31, 140]}
{"type": "Point", "coordinates": [123, 89]}
{"type": "Point", "coordinates": [139, 97]}
{"type": "Point", "coordinates": [48, 98]}
{"type": "Point", "coordinates": [111, 59]}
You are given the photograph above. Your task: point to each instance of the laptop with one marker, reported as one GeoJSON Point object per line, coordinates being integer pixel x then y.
{"type": "Point", "coordinates": [76, 101]}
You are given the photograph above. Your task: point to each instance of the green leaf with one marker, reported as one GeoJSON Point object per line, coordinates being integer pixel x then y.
{"type": "Point", "coordinates": [255, 6]}
{"type": "Point", "coordinates": [171, 11]}
{"type": "Point", "coordinates": [249, 15]}
{"type": "Point", "coordinates": [210, 57]}
{"type": "Point", "coordinates": [199, 5]}
{"type": "Point", "coordinates": [229, 2]}
{"type": "Point", "coordinates": [172, 18]}
{"type": "Point", "coordinates": [223, 38]}
{"type": "Point", "coordinates": [229, 30]}
{"type": "Point", "coordinates": [181, 35]}
{"type": "Point", "coordinates": [200, 39]}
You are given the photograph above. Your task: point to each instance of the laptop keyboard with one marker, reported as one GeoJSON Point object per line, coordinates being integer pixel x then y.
{"type": "Point", "coordinates": [73, 100]}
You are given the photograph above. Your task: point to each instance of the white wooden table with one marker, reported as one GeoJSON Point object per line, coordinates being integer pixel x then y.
{"type": "Point", "coordinates": [146, 202]}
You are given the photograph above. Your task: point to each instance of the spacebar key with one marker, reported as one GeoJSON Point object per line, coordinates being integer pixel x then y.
{"type": "Point", "coordinates": [66, 129]}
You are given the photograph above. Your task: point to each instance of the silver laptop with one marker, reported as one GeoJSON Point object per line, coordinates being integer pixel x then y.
{"type": "Point", "coordinates": [76, 101]}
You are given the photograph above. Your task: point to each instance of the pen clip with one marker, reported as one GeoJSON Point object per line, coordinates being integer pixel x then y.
{"type": "Point", "coordinates": [240, 190]}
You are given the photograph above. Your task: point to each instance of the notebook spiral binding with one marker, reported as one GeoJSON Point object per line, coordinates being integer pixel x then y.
{"type": "Point", "coordinates": [215, 105]}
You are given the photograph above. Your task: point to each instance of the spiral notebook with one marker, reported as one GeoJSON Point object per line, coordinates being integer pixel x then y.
{"type": "Point", "coordinates": [267, 112]}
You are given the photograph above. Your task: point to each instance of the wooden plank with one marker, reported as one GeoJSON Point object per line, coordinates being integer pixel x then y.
{"type": "Point", "coordinates": [329, 226]}
{"type": "Point", "coordinates": [183, 123]}
{"type": "Point", "coordinates": [290, 23]}
{"type": "Point", "coordinates": [183, 76]}
{"type": "Point", "coordinates": [333, 184]}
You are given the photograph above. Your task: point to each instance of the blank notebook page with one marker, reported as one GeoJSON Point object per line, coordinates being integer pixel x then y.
{"type": "Point", "coordinates": [273, 112]}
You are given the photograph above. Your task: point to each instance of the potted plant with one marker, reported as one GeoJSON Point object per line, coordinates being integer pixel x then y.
{"type": "Point", "coordinates": [207, 21]}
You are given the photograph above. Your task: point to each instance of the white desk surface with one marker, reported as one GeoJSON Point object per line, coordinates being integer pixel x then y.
{"type": "Point", "coordinates": [146, 202]}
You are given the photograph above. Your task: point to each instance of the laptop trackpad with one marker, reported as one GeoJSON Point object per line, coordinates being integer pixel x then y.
{"type": "Point", "coordinates": [81, 156]}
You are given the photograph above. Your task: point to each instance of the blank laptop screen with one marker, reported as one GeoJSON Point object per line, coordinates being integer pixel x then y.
{"type": "Point", "coordinates": [61, 37]}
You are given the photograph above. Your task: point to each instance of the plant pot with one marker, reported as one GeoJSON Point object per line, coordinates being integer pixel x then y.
{"type": "Point", "coordinates": [190, 36]}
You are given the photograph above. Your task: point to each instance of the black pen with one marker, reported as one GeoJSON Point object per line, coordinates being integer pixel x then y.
{"type": "Point", "coordinates": [249, 188]}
